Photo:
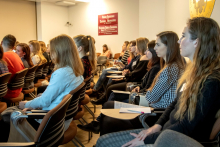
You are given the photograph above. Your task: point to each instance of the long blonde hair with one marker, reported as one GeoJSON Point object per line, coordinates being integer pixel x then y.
{"type": "Point", "coordinates": [87, 43]}
{"type": "Point", "coordinates": [43, 46]}
{"type": "Point", "coordinates": [169, 39]}
{"type": "Point", "coordinates": [206, 64]}
{"type": "Point", "coordinates": [37, 51]}
{"type": "Point", "coordinates": [64, 53]}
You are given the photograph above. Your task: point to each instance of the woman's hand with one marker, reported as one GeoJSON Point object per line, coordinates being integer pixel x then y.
{"type": "Point", "coordinates": [136, 89]}
{"type": "Point", "coordinates": [143, 134]}
{"type": "Point", "coordinates": [27, 109]}
{"type": "Point", "coordinates": [125, 71]}
{"type": "Point", "coordinates": [134, 142]}
{"type": "Point", "coordinates": [22, 104]}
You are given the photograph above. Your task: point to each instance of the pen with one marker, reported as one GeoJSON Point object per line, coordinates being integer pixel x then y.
{"type": "Point", "coordinates": [137, 111]}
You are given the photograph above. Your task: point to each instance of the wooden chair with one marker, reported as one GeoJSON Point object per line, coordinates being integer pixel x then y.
{"type": "Point", "coordinates": [49, 133]}
{"type": "Point", "coordinates": [29, 78]}
{"type": "Point", "coordinates": [4, 78]}
{"type": "Point", "coordinates": [17, 82]}
{"type": "Point", "coordinates": [101, 61]}
{"type": "Point", "coordinates": [98, 54]}
{"type": "Point", "coordinates": [38, 74]}
{"type": "Point", "coordinates": [116, 56]}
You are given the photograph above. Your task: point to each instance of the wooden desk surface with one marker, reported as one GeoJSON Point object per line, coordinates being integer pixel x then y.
{"type": "Point", "coordinates": [115, 114]}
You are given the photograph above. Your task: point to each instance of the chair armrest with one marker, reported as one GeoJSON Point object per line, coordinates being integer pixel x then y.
{"type": "Point", "coordinates": [18, 144]}
{"type": "Point", "coordinates": [143, 117]}
{"type": "Point", "coordinates": [38, 111]}
{"type": "Point", "coordinates": [36, 115]}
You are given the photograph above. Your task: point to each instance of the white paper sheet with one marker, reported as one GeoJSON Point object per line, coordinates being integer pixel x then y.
{"type": "Point", "coordinates": [119, 105]}
{"type": "Point", "coordinates": [122, 92]}
{"type": "Point", "coordinates": [135, 110]}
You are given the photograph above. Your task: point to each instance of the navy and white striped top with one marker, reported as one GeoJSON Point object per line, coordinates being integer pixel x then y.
{"type": "Point", "coordinates": [164, 91]}
{"type": "Point", "coordinates": [124, 59]}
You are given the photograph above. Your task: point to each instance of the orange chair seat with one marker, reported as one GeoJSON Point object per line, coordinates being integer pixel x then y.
{"type": "Point", "coordinates": [86, 100]}
{"type": "Point", "coordinates": [15, 99]}
{"type": "Point", "coordinates": [79, 114]}
{"type": "Point", "coordinates": [38, 84]}
{"type": "Point", "coordinates": [28, 91]}
{"type": "Point", "coordinates": [3, 106]}
{"type": "Point", "coordinates": [70, 133]}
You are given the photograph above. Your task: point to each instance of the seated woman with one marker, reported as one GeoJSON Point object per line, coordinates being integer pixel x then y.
{"type": "Point", "coordinates": [23, 51]}
{"type": "Point", "coordinates": [86, 49]}
{"type": "Point", "coordinates": [65, 78]}
{"type": "Point", "coordinates": [124, 57]}
{"type": "Point", "coordinates": [106, 52]}
{"type": "Point", "coordinates": [153, 68]}
{"type": "Point", "coordinates": [103, 80]}
{"type": "Point", "coordinates": [3, 65]}
{"type": "Point", "coordinates": [124, 49]}
{"type": "Point", "coordinates": [199, 102]}
{"type": "Point", "coordinates": [43, 49]}
{"type": "Point", "coordinates": [36, 55]}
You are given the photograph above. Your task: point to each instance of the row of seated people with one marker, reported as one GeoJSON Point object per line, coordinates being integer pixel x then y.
{"type": "Point", "coordinates": [189, 93]}
{"type": "Point", "coordinates": [69, 68]}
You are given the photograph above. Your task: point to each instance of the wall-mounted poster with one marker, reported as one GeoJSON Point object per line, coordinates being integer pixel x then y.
{"type": "Point", "coordinates": [108, 24]}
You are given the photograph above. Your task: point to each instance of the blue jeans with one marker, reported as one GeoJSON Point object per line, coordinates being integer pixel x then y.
{"type": "Point", "coordinates": [103, 80]}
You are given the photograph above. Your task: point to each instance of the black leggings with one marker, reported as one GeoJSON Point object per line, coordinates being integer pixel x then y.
{"type": "Point", "coordinates": [118, 86]}
{"type": "Point", "coordinates": [109, 124]}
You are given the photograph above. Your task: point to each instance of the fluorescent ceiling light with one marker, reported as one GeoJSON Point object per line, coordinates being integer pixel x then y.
{"type": "Point", "coordinates": [70, 3]}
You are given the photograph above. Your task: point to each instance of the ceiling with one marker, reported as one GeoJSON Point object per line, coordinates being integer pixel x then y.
{"type": "Point", "coordinates": [59, 2]}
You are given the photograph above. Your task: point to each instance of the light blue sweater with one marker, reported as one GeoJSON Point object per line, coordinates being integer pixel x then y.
{"type": "Point", "coordinates": [62, 81]}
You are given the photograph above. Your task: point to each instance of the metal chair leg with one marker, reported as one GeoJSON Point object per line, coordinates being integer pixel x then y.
{"type": "Point", "coordinates": [90, 111]}
{"type": "Point", "coordinates": [80, 121]}
{"type": "Point", "coordinates": [75, 143]}
{"type": "Point", "coordinates": [84, 120]}
{"type": "Point", "coordinates": [79, 142]}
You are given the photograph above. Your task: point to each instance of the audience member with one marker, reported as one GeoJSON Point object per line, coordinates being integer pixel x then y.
{"type": "Point", "coordinates": [87, 53]}
{"type": "Point", "coordinates": [3, 64]}
{"type": "Point", "coordinates": [36, 55]}
{"type": "Point", "coordinates": [106, 52]}
{"type": "Point", "coordinates": [66, 77]}
{"type": "Point", "coordinates": [199, 102]}
{"type": "Point", "coordinates": [23, 51]}
{"type": "Point", "coordinates": [13, 61]}
{"type": "Point", "coordinates": [43, 49]}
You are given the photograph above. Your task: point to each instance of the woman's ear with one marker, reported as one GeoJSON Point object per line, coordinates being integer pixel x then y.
{"type": "Point", "coordinates": [195, 43]}
{"type": "Point", "coordinates": [79, 48]}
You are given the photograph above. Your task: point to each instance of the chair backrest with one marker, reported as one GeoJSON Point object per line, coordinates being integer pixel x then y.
{"type": "Point", "coordinates": [102, 60]}
{"type": "Point", "coordinates": [39, 70]}
{"type": "Point", "coordinates": [98, 54]}
{"type": "Point", "coordinates": [46, 68]}
{"type": "Point", "coordinates": [30, 75]}
{"type": "Point", "coordinates": [117, 55]}
{"type": "Point", "coordinates": [18, 80]}
{"type": "Point", "coordinates": [51, 129]}
{"type": "Point", "coordinates": [215, 130]}
{"type": "Point", "coordinates": [4, 78]}
{"type": "Point", "coordinates": [88, 82]}
{"type": "Point", "coordinates": [73, 106]}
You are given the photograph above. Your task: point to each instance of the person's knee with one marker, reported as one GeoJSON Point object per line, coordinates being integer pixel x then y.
{"type": "Point", "coordinates": [109, 105]}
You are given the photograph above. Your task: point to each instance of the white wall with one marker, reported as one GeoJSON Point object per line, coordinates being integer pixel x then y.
{"type": "Point", "coordinates": [84, 17]}
{"type": "Point", "coordinates": [18, 19]}
{"type": "Point", "coordinates": [151, 18]}
{"type": "Point", "coordinates": [52, 21]}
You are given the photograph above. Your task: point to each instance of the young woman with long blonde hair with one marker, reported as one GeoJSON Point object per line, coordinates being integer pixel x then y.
{"type": "Point", "coordinates": [194, 111]}
{"type": "Point", "coordinates": [66, 77]}
{"type": "Point", "coordinates": [36, 54]}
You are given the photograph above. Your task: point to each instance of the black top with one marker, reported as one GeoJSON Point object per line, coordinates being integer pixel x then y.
{"type": "Point", "coordinates": [138, 73]}
{"type": "Point", "coordinates": [201, 126]}
{"type": "Point", "coordinates": [46, 56]}
{"type": "Point", "coordinates": [134, 62]}
{"type": "Point", "coordinates": [149, 77]}
{"type": "Point", "coordinates": [87, 67]}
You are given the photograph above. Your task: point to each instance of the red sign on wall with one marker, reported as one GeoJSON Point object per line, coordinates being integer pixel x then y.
{"type": "Point", "coordinates": [108, 24]}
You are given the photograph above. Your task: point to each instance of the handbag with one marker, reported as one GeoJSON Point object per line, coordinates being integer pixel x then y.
{"type": "Point", "coordinates": [6, 114]}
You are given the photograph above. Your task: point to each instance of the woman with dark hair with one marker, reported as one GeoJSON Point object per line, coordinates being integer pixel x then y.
{"type": "Point", "coordinates": [106, 52]}
{"type": "Point", "coordinates": [3, 65]}
{"type": "Point", "coordinates": [196, 107]}
{"type": "Point", "coordinates": [23, 51]}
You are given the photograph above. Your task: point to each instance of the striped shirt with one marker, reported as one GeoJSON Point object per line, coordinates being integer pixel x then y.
{"type": "Point", "coordinates": [164, 90]}
{"type": "Point", "coordinates": [124, 59]}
